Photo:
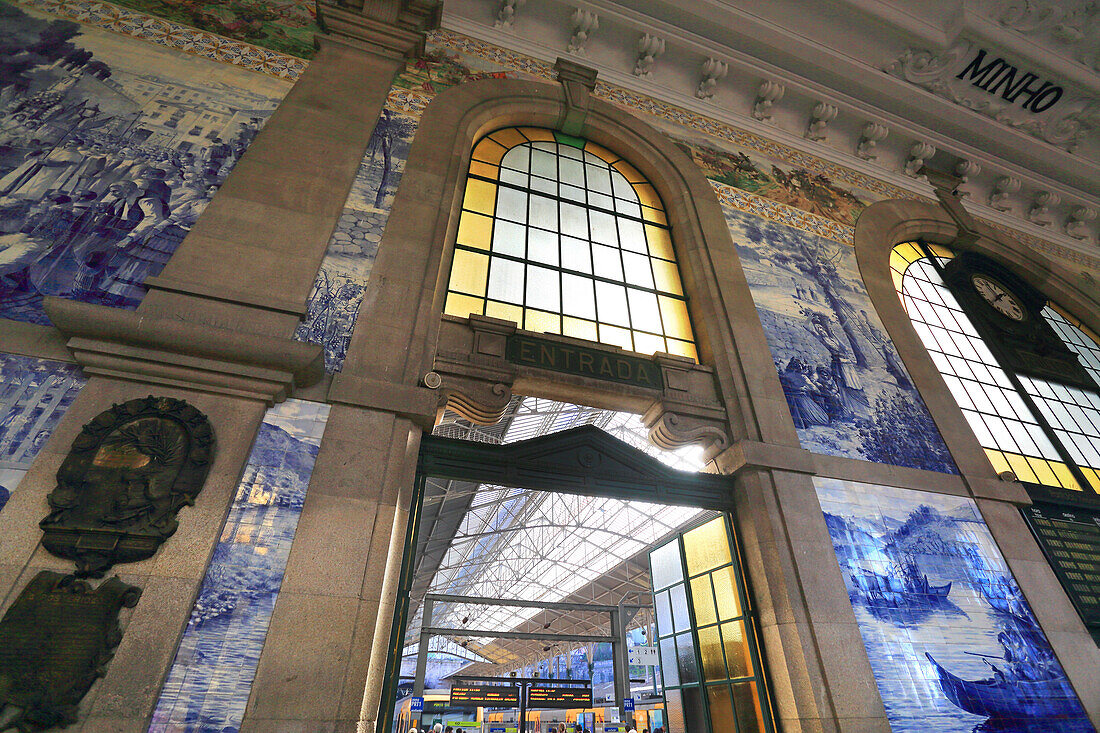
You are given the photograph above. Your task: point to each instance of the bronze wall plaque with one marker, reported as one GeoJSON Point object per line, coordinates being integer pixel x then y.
{"type": "Point", "coordinates": [55, 640]}
{"type": "Point", "coordinates": [128, 473]}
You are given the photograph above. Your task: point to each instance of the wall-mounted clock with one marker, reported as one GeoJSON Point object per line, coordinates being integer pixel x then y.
{"type": "Point", "coordinates": [999, 297]}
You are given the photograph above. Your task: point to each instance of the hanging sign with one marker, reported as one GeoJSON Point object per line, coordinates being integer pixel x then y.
{"type": "Point", "coordinates": [582, 361]}
{"type": "Point", "coordinates": [417, 705]}
{"type": "Point", "coordinates": [643, 656]}
{"type": "Point", "coordinates": [554, 696]}
{"type": "Point", "coordinates": [484, 696]}
{"type": "Point", "coordinates": [1070, 539]}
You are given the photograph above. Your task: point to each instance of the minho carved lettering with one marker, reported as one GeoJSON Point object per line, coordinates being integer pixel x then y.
{"type": "Point", "coordinates": [999, 73]}
{"type": "Point", "coordinates": [582, 361]}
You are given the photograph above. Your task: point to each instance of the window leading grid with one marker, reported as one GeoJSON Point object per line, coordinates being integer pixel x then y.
{"type": "Point", "coordinates": [562, 236]}
{"type": "Point", "coordinates": [1005, 426]}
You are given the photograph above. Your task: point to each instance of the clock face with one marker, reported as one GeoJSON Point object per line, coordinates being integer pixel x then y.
{"type": "Point", "coordinates": [999, 297]}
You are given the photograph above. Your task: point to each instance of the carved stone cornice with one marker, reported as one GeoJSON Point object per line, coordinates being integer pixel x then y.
{"type": "Point", "coordinates": [578, 81]}
{"type": "Point", "coordinates": [123, 344]}
{"type": "Point", "coordinates": [391, 28]}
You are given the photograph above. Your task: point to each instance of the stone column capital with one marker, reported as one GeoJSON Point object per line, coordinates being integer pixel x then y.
{"type": "Point", "coordinates": [390, 28]}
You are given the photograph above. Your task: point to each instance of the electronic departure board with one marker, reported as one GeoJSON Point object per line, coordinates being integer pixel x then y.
{"type": "Point", "coordinates": [554, 696]}
{"type": "Point", "coordinates": [1070, 538]}
{"type": "Point", "coordinates": [484, 696]}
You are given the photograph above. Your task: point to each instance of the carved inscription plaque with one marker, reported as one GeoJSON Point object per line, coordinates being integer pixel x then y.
{"type": "Point", "coordinates": [55, 640]}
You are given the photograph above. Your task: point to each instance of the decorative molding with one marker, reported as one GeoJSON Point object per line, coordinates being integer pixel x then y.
{"type": "Point", "coordinates": [390, 28]}
{"type": "Point", "coordinates": [767, 95]}
{"type": "Point", "coordinates": [965, 169]}
{"type": "Point", "coordinates": [506, 15]}
{"type": "Point", "coordinates": [1079, 219]}
{"type": "Point", "coordinates": [585, 23]}
{"type": "Point", "coordinates": [918, 153]}
{"type": "Point", "coordinates": [578, 81]}
{"type": "Point", "coordinates": [872, 134]}
{"type": "Point", "coordinates": [646, 50]}
{"type": "Point", "coordinates": [1041, 204]}
{"type": "Point", "coordinates": [1003, 190]}
{"type": "Point", "coordinates": [822, 114]}
{"type": "Point", "coordinates": [713, 71]}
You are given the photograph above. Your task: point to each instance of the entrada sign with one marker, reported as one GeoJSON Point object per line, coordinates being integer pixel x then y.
{"type": "Point", "coordinates": [582, 361]}
{"type": "Point", "coordinates": [1000, 76]}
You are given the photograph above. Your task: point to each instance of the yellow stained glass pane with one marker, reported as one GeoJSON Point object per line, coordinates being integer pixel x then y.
{"type": "Point", "coordinates": [702, 598]}
{"type": "Point", "coordinates": [1021, 468]}
{"type": "Point", "coordinates": [897, 282]}
{"type": "Point", "coordinates": [725, 593]}
{"type": "Point", "coordinates": [897, 262]}
{"type": "Point", "coordinates": [675, 316]}
{"type": "Point", "coordinates": [475, 230]}
{"type": "Point", "coordinates": [1065, 476]}
{"type": "Point", "coordinates": [579, 329]}
{"type": "Point", "coordinates": [710, 650]}
{"type": "Point", "coordinates": [504, 311]}
{"type": "Point", "coordinates": [660, 243]}
{"type": "Point", "coordinates": [647, 343]}
{"type": "Point", "coordinates": [477, 168]}
{"type": "Point", "coordinates": [721, 708]}
{"type": "Point", "coordinates": [656, 216]}
{"type": "Point", "coordinates": [488, 151]}
{"type": "Point", "coordinates": [600, 152]}
{"type": "Point", "coordinates": [508, 137]}
{"type": "Point", "coordinates": [682, 348]}
{"type": "Point", "coordinates": [746, 703]}
{"type": "Point", "coordinates": [615, 336]}
{"type": "Point", "coordinates": [537, 134]}
{"type": "Point", "coordinates": [1093, 477]}
{"type": "Point", "coordinates": [1000, 463]}
{"type": "Point", "coordinates": [1043, 472]}
{"type": "Point", "coordinates": [908, 252]}
{"type": "Point", "coordinates": [541, 321]}
{"type": "Point", "coordinates": [666, 276]}
{"type": "Point", "coordinates": [630, 173]}
{"type": "Point", "coordinates": [647, 195]}
{"type": "Point", "coordinates": [941, 251]}
{"type": "Point", "coordinates": [463, 305]}
{"type": "Point", "coordinates": [707, 547]}
{"type": "Point", "coordinates": [737, 649]}
{"type": "Point", "coordinates": [481, 196]}
{"type": "Point", "coordinates": [470, 272]}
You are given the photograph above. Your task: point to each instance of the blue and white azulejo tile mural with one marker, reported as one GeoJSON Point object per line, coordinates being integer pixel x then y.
{"type": "Point", "coordinates": [846, 387]}
{"type": "Point", "coordinates": [110, 149]}
{"type": "Point", "coordinates": [34, 394]}
{"type": "Point", "coordinates": [208, 685]}
{"type": "Point", "coordinates": [953, 644]}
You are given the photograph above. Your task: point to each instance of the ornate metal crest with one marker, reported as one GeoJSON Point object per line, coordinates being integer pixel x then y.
{"type": "Point", "coordinates": [128, 473]}
{"type": "Point", "coordinates": [55, 640]}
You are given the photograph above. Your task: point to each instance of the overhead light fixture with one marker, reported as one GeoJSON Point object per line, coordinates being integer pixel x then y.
{"type": "Point", "coordinates": [466, 619]}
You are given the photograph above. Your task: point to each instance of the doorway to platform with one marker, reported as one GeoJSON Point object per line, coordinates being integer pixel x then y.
{"type": "Point", "coordinates": [528, 599]}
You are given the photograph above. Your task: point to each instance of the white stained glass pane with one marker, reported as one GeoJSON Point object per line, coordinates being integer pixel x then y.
{"type": "Point", "coordinates": [599, 178]}
{"type": "Point", "coordinates": [509, 238]}
{"type": "Point", "coordinates": [517, 178]}
{"type": "Point", "coordinates": [638, 270]}
{"type": "Point", "coordinates": [644, 313]}
{"type": "Point", "coordinates": [572, 193]}
{"type": "Point", "coordinates": [1002, 437]}
{"type": "Point", "coordinates": [574, 221]}
{"type": "Point", "coordinates": [576, 254]}
{"type": "Point", "coordinates": [518, 158]}
{"type": "Point", "coordinates": [578, 297]}
{"type": "Point", "coordinates": [611, 304]}
{"type": "Point", "coordinates": [632, 235]}
{"type": "Point", "coordinates": [985, 438]}
{"type": "Point", "coordinates": [544, 185]}
{"type": "Point", "coordinates": [568, 151]}
{"type": "Point", "coordinates": [511, 204]}
{"type": "Point", "coordinates": [1022, 437]}
{"type": "Point", "coordinates": [603, 228]}
{"type": "Point", "coordinates": [621, 188]}
{"type": "Point", "coordinates": [571, 171]}
{"type": "Point", "coordinates": [544, 213]}
{"type": "Point", "coordinates": [542, 246]}
{"type": "Point", "coordinates": [506, 280]}
{"type": "Point", "coordinates": [628, 208]}
{"type": "Point", "coordinates": [543, 290]}
{"type": "Point", "coordinates": [544, 163]}
{"type": "Point", "coordinates": [607, 262]}
{"type": "Point", "coordinates": [978, 396]}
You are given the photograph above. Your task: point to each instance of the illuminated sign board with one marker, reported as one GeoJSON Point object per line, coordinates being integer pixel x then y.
{"type": "Point", "coordinates": [484, 696]}
{"type": "Point", "coordinates": [554, 696]}
{"type": "Point", "coordinates": [1070, 539]}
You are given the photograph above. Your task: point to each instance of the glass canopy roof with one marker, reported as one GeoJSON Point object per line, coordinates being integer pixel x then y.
{"type": "Point", "coordinates": [536, 545]}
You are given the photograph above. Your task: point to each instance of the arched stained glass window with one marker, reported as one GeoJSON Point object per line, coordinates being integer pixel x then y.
{"type": "Point", "coordinates": [562, 236]}
{"type": "Point", "coordinates": [1044, 430]}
